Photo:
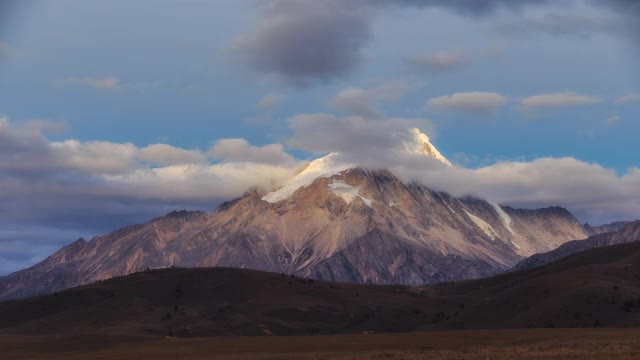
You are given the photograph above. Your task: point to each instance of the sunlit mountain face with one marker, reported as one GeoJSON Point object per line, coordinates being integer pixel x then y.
{"type": "Point", "coordinates": [113, 114]}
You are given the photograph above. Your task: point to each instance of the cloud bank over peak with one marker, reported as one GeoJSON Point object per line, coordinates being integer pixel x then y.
{"type": "Point", "coordinates": [97, 186]}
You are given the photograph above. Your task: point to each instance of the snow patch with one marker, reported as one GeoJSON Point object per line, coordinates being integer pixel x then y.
{"type": "Point", "coordinates": [347, 192]}
{"type": "Point", "coordinates": [483, 225]}
{"type": "Point", "coordinates": [504, 217]}
{"type": "Point", "coordinates": [450, 208]}
{"type": "Point", "coordinates": [319, 168]}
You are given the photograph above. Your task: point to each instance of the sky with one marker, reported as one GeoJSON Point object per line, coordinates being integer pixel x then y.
{"type": "Point", "coordinates": [112, 113]}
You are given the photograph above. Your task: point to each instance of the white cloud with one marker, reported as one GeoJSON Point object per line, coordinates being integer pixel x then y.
{"type": "Point", "coordinates": [557, 100]}
{"type": "Point", "coordinates": [365, 102]}
{"type": "Point", "coordinates": [98, 157]}
{"type": "Point", "coordinates": [106, 83]}
{"type": "Point", "coordinates": [628, 99]}
{"type": "Point", "coordinates": [72, 188]}
{"type": "Point", "coordinates": [475, 103]}
{"type": "Point", "coordinates": [441, 61]}
{"type": "Point", "coordinates": [270, 101]}
{"type": "Point", "coordinates": [166, 155]}
{"type": "Point", "coordinates": [239, 150]}
{"type": "Point", "coordinates": [354, 135]}
{"type": "Point", "coordinates": [589, 190]}
{"type": "Point", "coordinates": [98, 168]}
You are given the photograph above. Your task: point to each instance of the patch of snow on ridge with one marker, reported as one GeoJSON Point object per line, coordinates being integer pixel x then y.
{"type": "Point", "coordinates": [347, 192]}
{"type": "Point", "coordinates": [483, 225]}
{"type": "Point", "coordinates": [506, 219]}
{"type": "Point", "coordinates": [323, 167]}
{"type": "Point", "coordinates": [450, 208]}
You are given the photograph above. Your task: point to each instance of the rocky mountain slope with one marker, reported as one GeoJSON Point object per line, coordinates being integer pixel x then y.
{"type": "Point", "coordinates": [628, 233]}
{"type": "Point", "coordinates": [351, 225]}
{"type": "Point", "coordinates": [596, 288]}
{"type": "Point", "coordinates": [601, 229]}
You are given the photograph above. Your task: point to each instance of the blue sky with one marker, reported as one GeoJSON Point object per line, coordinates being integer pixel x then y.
{"type": "Point", "coordinates": [189, 73]}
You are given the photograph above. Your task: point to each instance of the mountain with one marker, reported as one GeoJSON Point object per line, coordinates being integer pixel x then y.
{"type": "Point", "coordinates": [601, 229]}
{"type": "Point", "coordinates": [350, 225]}
{"type": "Point", "coordinates": [628, 233]}
{"type": "Point", "coordinates": [595, 288]}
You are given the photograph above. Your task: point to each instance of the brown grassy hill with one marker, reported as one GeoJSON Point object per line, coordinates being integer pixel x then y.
{"type": "Point", "coordinates": [599, 287]}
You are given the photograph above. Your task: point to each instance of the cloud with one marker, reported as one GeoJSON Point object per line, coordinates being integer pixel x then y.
{"type": "Point", "coordinates": [239, 150]}
{"type": "Point", "coordinates": [364, 102]}
{"type": "Point", "coordinates": [166, 155]}
{"type": "Point", "coordinates": [324, 133]}
{"type": "Point", "coordinates": [628, 99]}
{"type": "Point", "coordinates": [465, 7]}
{"type": "Point", "coordinates": [613, 119]}
{"type": "Point", "coordinates": [591, 191]}
{"type": "Point", "coordinates": [305, 40]}
{"type": "Point", "coordinates": [56, 191]}
{"type": "Point", "coordinates": [62, 188]}
{"type": "Point", "coordinates": [594, 193]}
{"type": "Point", "coordinates": [474, 103]}
{"type": "Point", "coordinates": [105, 84]}
{"type": "Point", "coordinates": [97, 186]}
{"type": "Point", "coordinates": [267, 105]}
{"type": "Point", "coordinates": [270, 101]}
{"type": "Point", "coordinates": [557, 100]}
{"type": "Point", "coordinates": [566, 23]}
{"type": "Point", "coordinates": [441, 61]}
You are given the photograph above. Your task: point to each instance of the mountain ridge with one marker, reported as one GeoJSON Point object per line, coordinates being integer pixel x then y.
{"type": "Point", "coordinates": [630, 232]}
{"type": "Point", "coordinates": [325, 230]}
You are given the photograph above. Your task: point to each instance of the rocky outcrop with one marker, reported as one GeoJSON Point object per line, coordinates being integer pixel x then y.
{"type": "Point", "coordinates": [356, 225]}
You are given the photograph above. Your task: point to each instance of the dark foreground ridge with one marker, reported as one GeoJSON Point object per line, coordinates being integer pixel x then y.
{"type": "Point", "coordinates": [596, 288]}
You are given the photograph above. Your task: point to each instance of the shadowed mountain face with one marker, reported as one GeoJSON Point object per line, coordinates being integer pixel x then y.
{"type": "Point", "coordinates": [629, 233]}
{"type": "Point", "coordinates": [355, 226]}
{"type": "Point", "coordinates": [599, 287]}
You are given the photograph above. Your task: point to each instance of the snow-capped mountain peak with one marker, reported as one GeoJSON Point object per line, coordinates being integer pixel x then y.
{"type": "Point", "coordinates": [419, 143]}
{"type": "Point", "coordinates": [413, 141]}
